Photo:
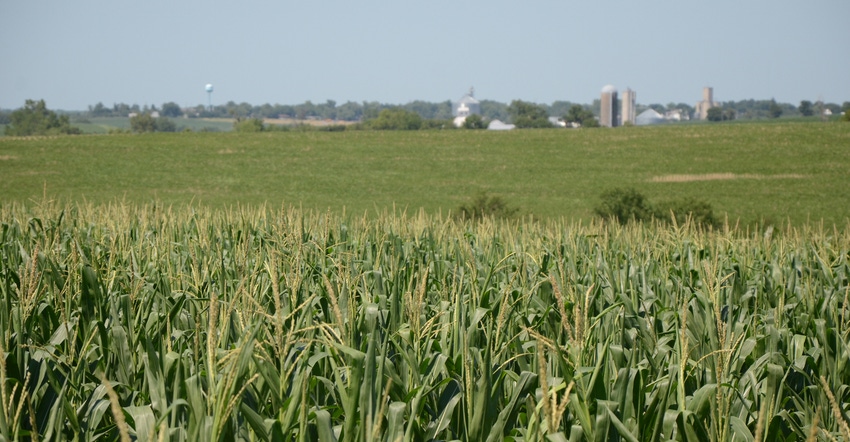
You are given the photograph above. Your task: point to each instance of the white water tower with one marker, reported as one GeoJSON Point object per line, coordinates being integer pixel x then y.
{"type": "Point", "coordinates": [209, 90]}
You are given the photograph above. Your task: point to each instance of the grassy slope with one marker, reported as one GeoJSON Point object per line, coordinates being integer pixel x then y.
{"type": "Point", "coordinates": [548, 173]}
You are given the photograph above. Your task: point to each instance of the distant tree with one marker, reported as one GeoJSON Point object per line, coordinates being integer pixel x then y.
{"type": "Point", "coordinates": [143, 123]}
{"type": "Point", "coordinates": [581, 116]}
{"type": "Point", "coordinates": [560, 108]}
{"type": "Point", "coordinates": [687, 110]}
{"type": "Point", "coordinates": [806, 109]}
{"type": "Point", "coordinates": [624, 205]}
{"type": "Point", "coordinates": [474, 122]}
{"type": "Point", "coordinates": [493, 110]}
{"type": "Point", "coordinates": [327, 110]}
{"type": "Point", "coordinates": [396, 119]}
{"type": "Point", "coordinates": [528, 115]}
{"type": "Point", "coordinates": [165, 125]}
{"type": "Point", "coordinates": [248, 125]}
{"type": "Point", "coordinates": [845, 107]}
{"type": "Point", "coordinates": [775, 110]}
{"type": "Point", "coordinates": [4, 118]}
{"type": "Point", "coordinates": [431, 111]}
{"type": "Point", "coordinates": [304, 110]}
{"type": "Point", "coordinates": [729, 114]}
{"type": "Point", "coordinates": [574, 114]}
{"type": "Point", "coordinates": [833, 107]}
{"type": "Point", "coordinates": [349, 111]}
{"type": "Point", "coordinates": [123, 109]}
{"type": "Point", "coordinates": [371, 109]}
{"type": "Point", "coordinates": [171, 109]}
{"type": "Point", "coordinates": [714, 114]}
{"type": "Point", "coordinates": [36, 119]}
{"type": "Point", "coordinates": [99, 110]}
{"type": "Point", "coordinates": [657, 108]}
{"type": "Point", "coordinates": [590, 121]}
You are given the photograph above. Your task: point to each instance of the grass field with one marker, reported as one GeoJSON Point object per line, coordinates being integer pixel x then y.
{"type": "Point", "coordinates": [758, 171]}
{"type": "Point", "coordinates": [103, 125]}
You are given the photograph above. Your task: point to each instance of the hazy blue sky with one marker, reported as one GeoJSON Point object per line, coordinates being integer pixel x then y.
{"type": "Point", "coordinates": [77, 53]}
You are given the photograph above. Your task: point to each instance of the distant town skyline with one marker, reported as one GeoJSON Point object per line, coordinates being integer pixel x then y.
{"type": "Point", "coordinates": [77, 54]}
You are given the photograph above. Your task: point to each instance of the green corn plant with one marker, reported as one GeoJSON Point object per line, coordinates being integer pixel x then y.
{"type": "Point", "coordinates": [153, 322]}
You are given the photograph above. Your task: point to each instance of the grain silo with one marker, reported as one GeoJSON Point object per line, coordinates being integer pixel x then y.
{"type": "Point", "coordinates": [629, 106]}
{"type": "Point", "coordinates": [608, 115]}
{"type": "Point", "coordinates": [702, 107]}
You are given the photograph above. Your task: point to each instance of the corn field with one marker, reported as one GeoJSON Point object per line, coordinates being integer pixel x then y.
{"type": "Point", "coordinates": [144, 323]}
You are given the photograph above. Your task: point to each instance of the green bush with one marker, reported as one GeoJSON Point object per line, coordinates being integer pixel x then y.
{"type": "Point", "coordinates": [583, 117]}
{"type": "Point", "coordinates": [437, 124]}
{"type": "Point", "coordinates": [36, 119]}
{"type": "Point", "coordinates": [627, 205]}
{"type": "Point", "coordinates": [396, 119]}
{"type": "Point", "coordinates": [248, 125]}
{"type": "Point", "coordinates": [145, 122]}
{"type": "Point", "coordinates": [332, 128]}
{"type": "Point", "coordinates": [474, 122]}
{"type": "Point", "coordinates": [485, 206]}
{"type": "Point", "coordinates": [624, 205]}
{"type": "Point", "coordinates": [528, 115]}
{"type": "Point", "coordinates": [165, 125]}
{"type": "Point", "coordinates": [688, 209]}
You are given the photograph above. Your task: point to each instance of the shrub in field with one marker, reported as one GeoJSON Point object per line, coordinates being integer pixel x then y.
{"type": "Point", "coordinates": [486, 206]}
{"type": "Point", "coordinates": [331, 128]}
{"type": "Point", "coordinates": [624, 205]}
{"type": "Point", "coordinates": [627, 205]}
{"type": "Point", "coordinates": [145, 122]}
{"type": "Point", "coordinates": [437, 124]}
{"type": "Point", "coordinates": [36, 119]}
{"type": "Point", "coordinates": [579, 115]}
{"type": "Point", "coordinates": [395, 119]}
{"type": "Point", "coordinates": [528, 115]}
{"type": "Point", "coordinates": [687, 210]}
{"type": "Point", "coordinates": [248, 125]}
{"type": "Point", "coordinates": [474, 122]}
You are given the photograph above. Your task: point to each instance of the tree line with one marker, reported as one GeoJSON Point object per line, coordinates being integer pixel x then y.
{"type": "Point", "coordinates": [35, 119]}
{"type": "Point", "coordinates": [490, 110]}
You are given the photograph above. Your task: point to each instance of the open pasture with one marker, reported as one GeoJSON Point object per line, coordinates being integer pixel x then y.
{"type": "Point", "coordinates": [103, 125]}
{"type": "Point", "coordinates": [796, 172]}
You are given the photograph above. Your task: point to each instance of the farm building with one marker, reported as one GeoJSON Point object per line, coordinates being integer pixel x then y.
{"type": "Point", "coordinates": [649, 116]}
{"type": "Point", "coordinates": [467, 105]}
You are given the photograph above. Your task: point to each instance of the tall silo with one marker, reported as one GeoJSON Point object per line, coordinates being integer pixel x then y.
{"type": "Point", "coordinates": [702, 107]}
{"type": "Point", "coordinates": [629, 106]}
{"type": "Point", "coordinates": [608, 115]}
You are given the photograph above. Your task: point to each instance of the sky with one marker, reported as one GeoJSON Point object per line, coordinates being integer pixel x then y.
{"type": "Point", "coordinates": [74, 54]}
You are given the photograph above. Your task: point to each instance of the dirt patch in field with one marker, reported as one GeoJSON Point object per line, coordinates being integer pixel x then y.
{"type": "Point", "coordinates": [37, 172]}
{"type": "Point", "coordinates": [229, 151]}
{"type": "Point", "coordinates": [686, 178]}
{"type": "Point", "coordinates": [7, 157]}
{"type": "Point", "coordinates": [309, 122]}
